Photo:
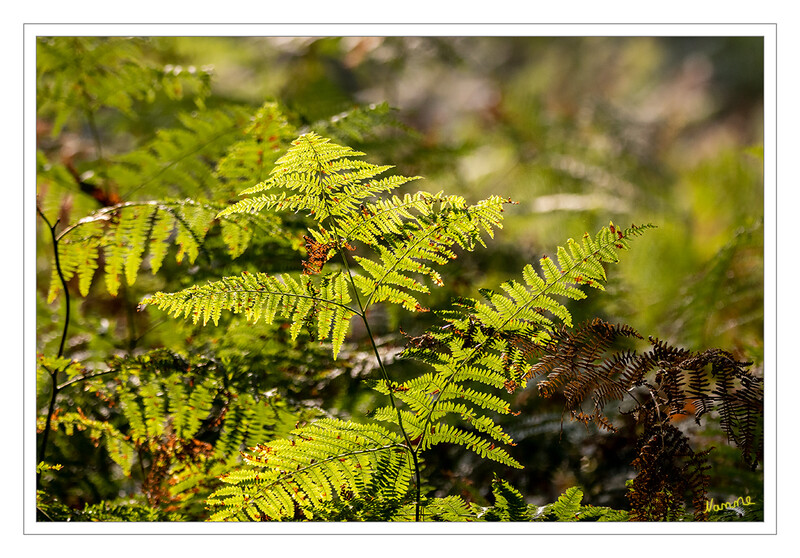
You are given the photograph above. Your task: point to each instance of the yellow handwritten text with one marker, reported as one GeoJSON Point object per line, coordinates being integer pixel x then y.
{"type": "Point", "coordinates": [739, 502]}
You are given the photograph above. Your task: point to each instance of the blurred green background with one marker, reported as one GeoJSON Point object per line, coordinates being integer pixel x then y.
{"type": "Point", "coordinates": [577, 130]}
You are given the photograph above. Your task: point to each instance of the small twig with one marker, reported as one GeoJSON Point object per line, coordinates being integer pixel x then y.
{"type": "Point", "coordinates": [84, 377]}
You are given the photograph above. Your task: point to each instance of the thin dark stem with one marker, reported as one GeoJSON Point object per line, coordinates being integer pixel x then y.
{"type": "Point", "coordinates": [48, 420]}
{"type": "Point", "coordinates": [54, 373]}
{"type": "Point", "coordinates": [60, 276]}
{"type": "Point", "coordinates": [385, 375]}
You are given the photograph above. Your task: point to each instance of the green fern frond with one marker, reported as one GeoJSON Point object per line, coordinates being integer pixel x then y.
{"type": "Point", "coordinates": [261, 296]}
{"type": "Point", "coordinates": [483, 346]}
{"type": "Point", "coordinates": [175, 162]}
{"type": "Point", "coordinates": [119, 446]}
{"type": "Point", "coordinates": [529, 305]}
{"type": "Point", "coordinates": [327, 182]}
{"type": "Point", "coordinates": [568, 508]}
{"type": "Point", "coordinates": [327, 459]}
{"type": "Point", "coordinates": [248, 160]}
{"type": "Point", "coordinates": [568, 505]}
{"type": "Point", "coordinates": [449, 508]}
{"type": "Point", "coordinates": [443, 433]}
{"type": "Point", "coordinates": [429, 239]}
{"type": "Point", "coordinates": [123, 232]}
{"type": "Point", "coordinates": [85, 74]}
{"type": "Point", "coordinates": [509, 504]}
{"type": "Point", "coordinates": [78, 258]}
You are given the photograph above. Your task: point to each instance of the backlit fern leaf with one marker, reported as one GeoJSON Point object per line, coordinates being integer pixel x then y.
{"type": "Point", "coordinates": [449, 508]}
{"type": "Point", "coordinates": [509, 503]}
{"type": "Point", "coordinates": [261, 296]}
{"type": "Point", "coordinates": [78, 258]}
{"type": "Point", "coordinates": [486, 347]}
{"type": "Point", "coordinates": [122, 233]}
{"type": "Point", "coordinates": [568, 508]}
{"type": "Point", "coordinates": [318, 177]}
{"type": "Point", "coordinates": [325, 460]}
{"type": "Point", "coordinates": [249, 160]}
{"type": "Point", "coordinates": [568, 505]}
{"type": "Point", "coordinates": [429, 239]}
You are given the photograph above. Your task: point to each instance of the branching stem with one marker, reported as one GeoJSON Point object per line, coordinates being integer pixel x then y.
{"type": "Point", "coordinates": [54, 373]}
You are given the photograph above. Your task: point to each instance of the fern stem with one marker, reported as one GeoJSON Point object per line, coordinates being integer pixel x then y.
{"type": "Point", "coordinates": [60, 275]}
{"type": "Point", "coordinates": [54, 373]}
{"type": "Point", "coordinates": [363, 314]}
{"type": "Point", "coordinates": [385, 375]}
{"type": "Point", "coordinates": [48, 421]}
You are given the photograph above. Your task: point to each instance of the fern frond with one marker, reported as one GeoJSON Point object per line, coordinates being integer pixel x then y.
{"type": "Point", "coordinates": [248, 160]}
{"type": "Point", "coordinates": [429, 239]}
{"type": "Point", "coordinates": [77, 74]}
{"type": "Point", "coordinates": [568, 505]}
{"type": "Point", "coordinates": [568, 508]}
{"type": "Point", "coordinates": [444, 433]}
{"type": "Point", "coordinates": [119, 446]}
{"type": "Point", "coordinates": [486, 346]}
{"type": "Point", "coordinates": [328, 183]}
{"type": "Point", "coordinates": [261, 296]}
{"type": "Point", "coordinates": [78, 258]}
{"type": "Point", "coordinates": [575, 363]}
{"type": "Point", "coordinates": [449, 508]}
{"type": "Point", "coordinates": [175, 162]}
{"type": "Point", "coordinates": [327, 459]}
{"type": "Point", "coordinates": [677, 383]}
{"type": "Point", "coordinates": [509, 503]}
{"type": "Point", "coordinates": [123, 232]}
{"type": "Point", "coordinates": [522, 307]}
